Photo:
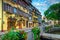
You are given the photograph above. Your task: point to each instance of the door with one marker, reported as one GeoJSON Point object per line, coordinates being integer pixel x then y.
{"type": "Point", "coordinates": [19, 24]}
{"type": "Point", "coordinates": [11, 23]}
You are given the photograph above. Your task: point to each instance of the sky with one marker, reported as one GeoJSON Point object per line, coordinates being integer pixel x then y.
{"type": "Point", "coordinates": [43, 5]}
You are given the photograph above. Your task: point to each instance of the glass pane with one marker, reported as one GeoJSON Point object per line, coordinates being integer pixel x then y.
{"type": "Point", "coordinates": [14, 0]}
{"type": "Point", "coordinates": [15, 11]}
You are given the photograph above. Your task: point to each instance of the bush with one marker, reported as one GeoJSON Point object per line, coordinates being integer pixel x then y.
{"type": "Point", "coordinates": [22, 35]}
{"type": "Point", "coordinates": [10, 36]}
{"type": "Point", "coordinates": [43, 21]}
{"type": "Point", "coordinates": [36, 33]}
{"type": "Point", "coordinates": [14, 35]}
{"type": "Point", "coordinates": [56, 25]}
{"type": "Point", "coordinates": [47, 28]}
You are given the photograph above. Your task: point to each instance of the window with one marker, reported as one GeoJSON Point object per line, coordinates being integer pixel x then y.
{"type": "Point", "coordinates": [15, 0]}
{"type": "Point", "coordinates": [11, 9]}
{"type": "Point", "coordinates": [36, 14]}
{"type": "Point", "coordinates": [5, 6]}
{"type": "Point", "coordinates": [8, 8]}
{"type": "Point", "coordinates": [15, 10]}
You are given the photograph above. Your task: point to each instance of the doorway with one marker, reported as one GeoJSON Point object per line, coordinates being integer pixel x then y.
{"type": "Point", "coordinates": [11, 23]}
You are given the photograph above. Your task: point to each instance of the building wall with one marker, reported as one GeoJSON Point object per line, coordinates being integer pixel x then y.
{"type": "Point", "coordinates": [35, 19]}
{"type": "Point", "coordinates": [5, 20]}
{"type": "Point", "coordinates": [20, 11]}
{"type": "Point", "coordinates": [0, 14]}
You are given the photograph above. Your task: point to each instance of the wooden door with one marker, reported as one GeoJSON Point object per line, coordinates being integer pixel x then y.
{"type": "Point", "coordinates": [19, 24]}
{"type": "Point", "coordinates": [11, 23]}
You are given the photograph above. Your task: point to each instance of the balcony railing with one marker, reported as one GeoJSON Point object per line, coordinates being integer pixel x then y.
{"type": "Point", "coordinates": [22, 13]}
{"type": "Point", "coordinates": [10, 9]}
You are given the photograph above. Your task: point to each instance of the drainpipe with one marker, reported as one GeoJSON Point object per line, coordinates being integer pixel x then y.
{"type": "Point", "coordinates": [2, 17]}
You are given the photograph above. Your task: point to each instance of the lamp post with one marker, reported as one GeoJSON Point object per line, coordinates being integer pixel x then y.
{"type": "Point", "coordinates": [2, 16]}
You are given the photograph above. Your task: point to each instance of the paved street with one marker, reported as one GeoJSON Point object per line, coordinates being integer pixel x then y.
{"type": "Point", "coordinates": [30, 36]}
{"type": "Point", "coordinates": [45, 36]}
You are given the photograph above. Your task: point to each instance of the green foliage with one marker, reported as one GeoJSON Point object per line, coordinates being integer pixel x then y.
{"type": "Point", "coordinates": [56, 25]}
{"type": "Point", "coordinates": [43, 21]}
{"type": "Point", "coordinates": [47, 28]}
{"type": "Point", "coordinates": [13, 28]}
{"type": "Point", "coordinates": [14, 35]}
{"type": "Point", "coordinates": [10, 36]}
{"type": "Point", "coordinates": [22, 35]}
{"type": "Point", "coordinates": [36, 32]}
{"type": "Point", "coordinates": [53, 12]}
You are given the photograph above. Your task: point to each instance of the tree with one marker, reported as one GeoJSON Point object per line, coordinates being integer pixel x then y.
{"type": "Point", "coordinates": [53, 12]}
{"type": "Point", "coordinates": [43, 21]}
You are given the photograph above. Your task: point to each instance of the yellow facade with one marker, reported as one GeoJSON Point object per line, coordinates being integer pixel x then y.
{"type": "Point", "coordinates": [6, 15]}
{"type": "Point", "coordinates": [0, 14]}
{"type": "Point", "coordinates": [35, 21]}
{"type": "Point", "coordinates": [17, 6]}
{"type": "Point", "coordinates": [21, 22]}
{"type": "Point", "coordinates": [5, 20]}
